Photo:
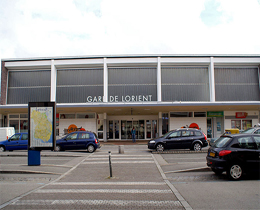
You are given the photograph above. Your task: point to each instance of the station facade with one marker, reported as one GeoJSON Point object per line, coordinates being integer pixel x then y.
{"type": "Point", "coordinates": [153, 93]}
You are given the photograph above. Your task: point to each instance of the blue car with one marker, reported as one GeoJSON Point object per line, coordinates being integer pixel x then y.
{"type": "Point", "coordinates": [78, 140]}
{"type": "Point", "coordinates": [18, 141]}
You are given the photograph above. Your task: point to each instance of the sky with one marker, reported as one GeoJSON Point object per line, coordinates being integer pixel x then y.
{"type": "Point", "coordinates": [57, 28]}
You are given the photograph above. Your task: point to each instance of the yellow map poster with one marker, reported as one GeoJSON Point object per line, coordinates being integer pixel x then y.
{"type": "Point", "coordinates": [41, 126]}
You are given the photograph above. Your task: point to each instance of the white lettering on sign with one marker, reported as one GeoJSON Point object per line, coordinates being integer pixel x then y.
{"type": "Point", "coordinates": [127, 98]}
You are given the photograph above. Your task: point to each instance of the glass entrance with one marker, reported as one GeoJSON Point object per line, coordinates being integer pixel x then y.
{"type": "Point", "coordinates": [113, 129]}
{"type": "Point", "coordinates": [126, 127]}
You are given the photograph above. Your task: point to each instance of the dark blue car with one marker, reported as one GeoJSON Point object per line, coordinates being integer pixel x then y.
{"type": "Point", "coordinates": [18, 141]}
{"type": "Point", "coordinates": [78, 140]}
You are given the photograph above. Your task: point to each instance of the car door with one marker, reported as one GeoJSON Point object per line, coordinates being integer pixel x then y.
{"type": "Point", "coordinates": [247, 152]}
{"type": "Point", "coordinates": [257, 140]}
{"type": "Point", "coordinates": [187, 137]}
{"type": "Point", "coordinates": [83, 140]}
{"type": "Point", "coordinates": [70, 142]}
{"type": "Point", "coordinates": [173, 140]}
{"type": "Point", "coordinates": [23, 142]}
{"type": "Point", "coordinates": [13, 142]}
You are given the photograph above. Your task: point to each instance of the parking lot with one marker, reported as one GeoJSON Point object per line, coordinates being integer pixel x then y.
{"type": "Point", "coordinates": [176, 179]}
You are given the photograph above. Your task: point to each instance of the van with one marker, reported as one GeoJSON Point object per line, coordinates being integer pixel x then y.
{"type": "Point", "coordinates": [6, 132]}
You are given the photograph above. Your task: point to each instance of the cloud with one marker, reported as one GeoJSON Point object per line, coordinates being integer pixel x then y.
{"type": "Point", "coordinates": [41, 28]}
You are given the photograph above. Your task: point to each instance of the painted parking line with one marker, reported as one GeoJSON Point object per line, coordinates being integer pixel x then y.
{"type": "Point", "coordinates": [115, 203]}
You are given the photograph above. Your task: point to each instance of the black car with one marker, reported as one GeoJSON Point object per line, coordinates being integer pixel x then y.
{"type": "Point", "coordinates": [184, 138]}
{"type": "Point", "coordinates": [236, 154]}
{"type": "Point", "coordinates": [78, 140]}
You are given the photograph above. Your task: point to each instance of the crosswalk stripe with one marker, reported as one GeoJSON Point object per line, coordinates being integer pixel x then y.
{"type": "Point", "coordinates": [116, 162]}
{"type": "Point", "coordinates": [124, 203]}
{"type": "Point", "coordinates": [109, 183]}
{"type": "Point", "coordinates": [102, 191]}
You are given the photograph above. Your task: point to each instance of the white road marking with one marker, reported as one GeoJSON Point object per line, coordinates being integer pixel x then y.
{"type": "Point", "coordinates": [122, 203]}
{"type": "Point", "coordinates": [109, 183]}
{"type": "Point", "coordinates": [102, 191]}
{"type": "Point", "coordinates": [116, 162]}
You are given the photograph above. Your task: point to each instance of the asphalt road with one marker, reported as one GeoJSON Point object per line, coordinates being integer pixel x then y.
{"type": "Point", "coordinates": [136, 172]}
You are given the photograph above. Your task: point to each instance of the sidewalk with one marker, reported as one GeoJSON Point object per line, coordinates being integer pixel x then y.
{"type": "Point", "coordinates": [136, 183]}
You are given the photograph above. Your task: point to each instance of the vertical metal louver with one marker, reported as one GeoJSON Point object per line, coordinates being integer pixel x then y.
{"type": "Point", "coordinates": [237, 84]}
{"type": "Point", "coordinates": [185, 84]}
{"type": "Point", "coordinates": [26, 86]}
{"type": "Point", "coordinates": [75, 85]}
{"type": "Point", "coordinates": [132, 82]}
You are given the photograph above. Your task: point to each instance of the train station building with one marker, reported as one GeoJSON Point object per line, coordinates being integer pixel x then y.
{"type": "Point", "coordinates": [109, 95]}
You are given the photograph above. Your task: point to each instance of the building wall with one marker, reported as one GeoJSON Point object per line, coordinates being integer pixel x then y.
{"type": "Point", "coordinates": [4, 74]}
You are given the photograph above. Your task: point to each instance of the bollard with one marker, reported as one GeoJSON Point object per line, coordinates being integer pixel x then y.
{"type": "Point", "coordinates": [110, 165]}
{"type": "Point", "coordinates": [121, 149]}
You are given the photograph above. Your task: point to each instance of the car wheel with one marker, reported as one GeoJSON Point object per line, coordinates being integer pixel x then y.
{"type": "Point", "coordinates": [2, 148]}
{"type": "Point", "coordinates": [91, 148]}
{"type": "Point", "coordinates": [58, 149]}
{"type": "Point", "coordinates": [197, 147]}
{"type": "Point", "coordinates": [235, 172]}
{"type": "Point", "coordinates": [159, 148]}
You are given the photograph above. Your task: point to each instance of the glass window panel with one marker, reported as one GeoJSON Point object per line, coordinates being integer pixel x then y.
{"type": "Point", "coordinates": [181, 114]}
{"type": "Point", "coordinates": [15, 124]}
{"type": "Point", "coordinates": [23, 115]}
{"type": "Point", "coordinates": [200, 114]}
{"type": "Point", "coordinates": [14, 116]}
{"type": "Point", "coordinates": [67, 116]}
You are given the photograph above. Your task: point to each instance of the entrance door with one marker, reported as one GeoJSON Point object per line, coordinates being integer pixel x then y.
{"type": "Point", "coordinates": [113, 129]}
{"type": "Point", "coordinates": [126, 127]}
{"type": "Point", "coordinates": [151, 129]}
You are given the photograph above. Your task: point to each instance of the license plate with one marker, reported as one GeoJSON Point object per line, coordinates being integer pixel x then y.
{"type": "Point", "coordinates": [212, 154]}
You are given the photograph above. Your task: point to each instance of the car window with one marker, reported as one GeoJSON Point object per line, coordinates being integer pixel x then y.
{"type": "Point", "coordinates": [257, 140]}
{"type": "Point", "coordinates": [257, 131]}
{"type": "Point", "coordinates": [249, 130]}
{"type": "Point", "coordinates": [175, 134]}
{"type": "Point", "coordinates": [72, 136]}
{"type": "Point", "coordinates": [15, 137]}
{"type": "Point", "coordinates": [246, 142]}
{"type": "Point", "coordinates": [187, 133]}
{"type": "Point", "coordinates": [222, 142]}
{"type": "Point", "coordinates": [197, 133]}
{"type": "Point", "coordinates": [83, 135]}
{"type": "Point", "coordinates": [24, 137]}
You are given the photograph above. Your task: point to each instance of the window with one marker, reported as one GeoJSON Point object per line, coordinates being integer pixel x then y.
{"type": "Point", "coordinates": [200, 114]}
{"type": "Point", "coordinates": [72, 136]}
{"type": "Point", "coordinates": [175, 134]}
{"type": "Point", "coordinates": [25, 137]}
{"type": "Point", "coordinates": [15, 137]}
{"type": "Point", "coordinates": [187, 133]}
{"type": "Point", "coordinates": [67, 116]}
{"type": "Point", "coordinates": [83, 135]}
{"type": "Point", "coordinates": [246, 142]}
{"type": "Point", "coordinates": [85, 115]}
{"type": "Point", "coordinates": [257, 131]}
{"type": "Point", "coordinates": [181, 114]}
{"type": "Point", "coordinates": [197, 133]}
{"type": "Point", "coordinates": [257, 140]}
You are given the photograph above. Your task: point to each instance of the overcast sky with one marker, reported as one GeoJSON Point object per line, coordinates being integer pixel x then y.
{"type": "Point", "coordinates": [46, 28]}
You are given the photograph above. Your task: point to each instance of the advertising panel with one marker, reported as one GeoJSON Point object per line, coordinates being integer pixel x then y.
{"type": "Point", "coordinates": [42, 125]}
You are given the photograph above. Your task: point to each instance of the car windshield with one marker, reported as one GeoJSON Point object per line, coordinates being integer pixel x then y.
{"type": "Point", "coordinates": [249, 130]}
{"type": "Point", "coordinates": [165, 135]}
{"type": "Point", "coordinates": [222, 142]}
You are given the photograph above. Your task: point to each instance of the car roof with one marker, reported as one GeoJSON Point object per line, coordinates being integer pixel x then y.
{"type": "Point", "coordinates": [240, 134]}
{"type": "Point", "coordinates": [186, 129]}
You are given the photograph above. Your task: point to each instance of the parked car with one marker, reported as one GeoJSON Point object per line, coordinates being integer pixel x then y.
{"type": "Point", "coordinates": [184, 138]}
{"type": "Point", "coordinates": [227, 131]}
{"type": "Point", "coordinates": [255, 130]}
{"type": "Point", "coordinates": [18, 141]}
{"type": "Point", "coordinates": [237, 154]}
{"type": "Point", "coordinates": [6, 132]}
{"type": "Point", "coordinates": [78, 140]}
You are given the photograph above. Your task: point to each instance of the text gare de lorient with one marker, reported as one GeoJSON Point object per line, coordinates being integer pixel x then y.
{"type": "Point", "coordinates": [137, 98]}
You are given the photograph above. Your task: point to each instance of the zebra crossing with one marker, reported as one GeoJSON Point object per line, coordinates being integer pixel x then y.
{"type": "Point", "coordinates": [136, 184]}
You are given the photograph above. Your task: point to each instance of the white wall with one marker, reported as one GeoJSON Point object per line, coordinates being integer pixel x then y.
{"type": "Point", "coordinates": [179, 122]}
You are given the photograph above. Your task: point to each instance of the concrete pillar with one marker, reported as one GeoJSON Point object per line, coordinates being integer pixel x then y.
{"type": "Point", "coordinates": [159, 80]}
{"type": "Point", "coordinates": [53, 81]}
{"type": "Point", "coordinates": [212, 80]}
{"type": "Point", "coordinates": [160, 124]}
